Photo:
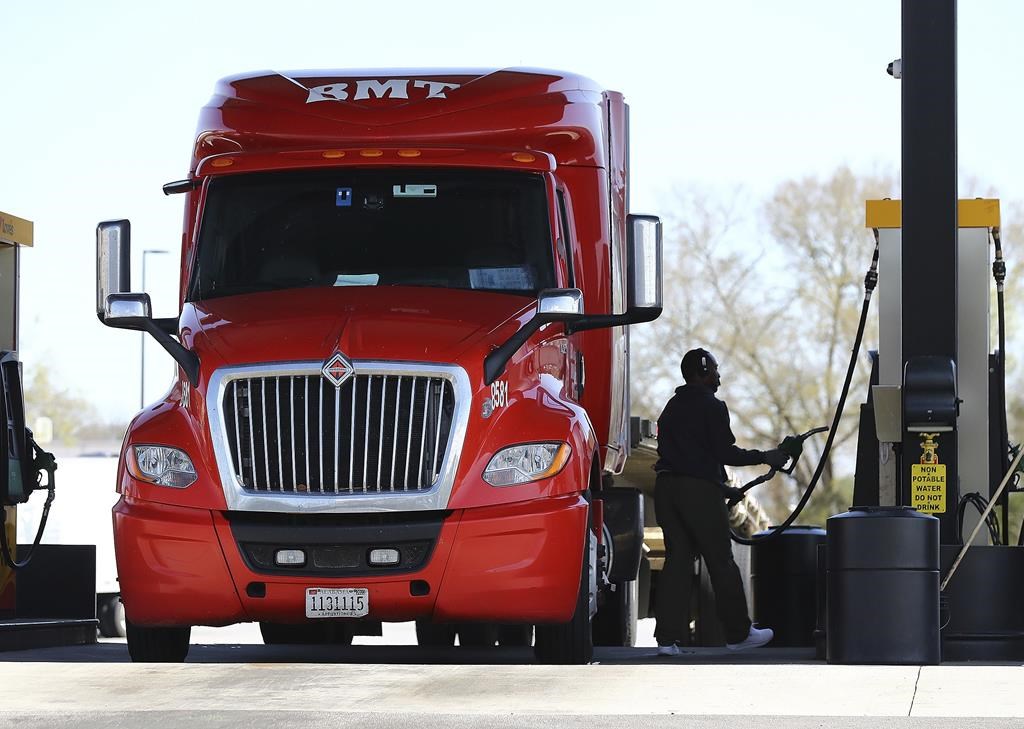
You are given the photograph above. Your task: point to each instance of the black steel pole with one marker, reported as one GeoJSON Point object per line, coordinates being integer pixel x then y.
{"type": "Point", "coordinates": [929, 171]}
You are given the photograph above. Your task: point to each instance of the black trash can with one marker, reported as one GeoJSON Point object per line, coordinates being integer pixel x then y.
{"type": "Point", "coordinates": [983, 620]}
{"type": "Point", "coordinates": [820, 598]}
{"type": "Point", "coordinates": [783, 578]}
{"type": "Point", "coordinates": [883, 587]}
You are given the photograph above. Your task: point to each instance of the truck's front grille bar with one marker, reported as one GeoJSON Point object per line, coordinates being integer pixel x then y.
{"type": "Point", "coordinates": [377, 433]}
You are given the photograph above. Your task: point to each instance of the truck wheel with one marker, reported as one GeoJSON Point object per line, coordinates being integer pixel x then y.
{"type": "Point", "coordinates": [157, 644]}
{"type": "Point", "coordinates": [110, 613]}
{"type": "Point", "coordinates": [435, 635]}
{"type": "Point", "coordinates": [515, 636]}
{"type": "Point", "coordinates": [645, 589]}
{"type": "Point", "coordinates": [478, 635]}
{"type": "Point", "coordinates": [306, 634]}
{"type": "Point", "coordinates": [615, 622]}
{"type": "Point", "coordinates": [572, 642]}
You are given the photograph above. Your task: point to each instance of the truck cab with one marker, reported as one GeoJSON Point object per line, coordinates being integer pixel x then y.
{"type": "Point", "coordinates": [402, 364]}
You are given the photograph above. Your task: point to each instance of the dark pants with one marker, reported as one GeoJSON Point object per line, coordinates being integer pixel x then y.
{"type": "Point", "coordinates": [693, 517]}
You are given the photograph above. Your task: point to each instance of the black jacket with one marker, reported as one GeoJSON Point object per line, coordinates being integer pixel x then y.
{"type": "Point", "coordinates": [694, 437]}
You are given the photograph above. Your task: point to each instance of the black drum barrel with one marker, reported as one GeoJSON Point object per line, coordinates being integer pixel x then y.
{"type": "Point", "coordinates": [883, 587]}
{"type": "Point", "coordinates": [984, 619]}
{"type": "Point", "coordinates": [783, 573]}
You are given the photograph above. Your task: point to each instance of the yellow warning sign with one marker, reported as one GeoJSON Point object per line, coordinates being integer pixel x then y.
{"type": "Point", "coordinates": [928, 487]}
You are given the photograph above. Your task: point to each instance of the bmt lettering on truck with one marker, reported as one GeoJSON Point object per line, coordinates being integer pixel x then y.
{"type": "Point", "coordinates": [395, 88]}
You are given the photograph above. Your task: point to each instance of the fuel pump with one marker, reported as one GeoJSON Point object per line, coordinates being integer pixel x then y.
{"type": "Point", "coordinates": [30, 615]}
{"type": "Point", "coordinates": [15, 233]}
{"type": "Point", "coordinates": [22, 462]}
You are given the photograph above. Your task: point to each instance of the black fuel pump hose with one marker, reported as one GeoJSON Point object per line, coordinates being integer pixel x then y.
{"type": "Point", "coordinates": [41, 461]}
{"type": "Point", "coordinates": [870, 281]}
{"type": "Point", "coordinates": [999, 274]}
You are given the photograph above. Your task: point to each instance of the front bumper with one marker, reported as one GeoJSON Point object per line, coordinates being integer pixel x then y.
{"type": "Point", "coordinates": [512, 563]}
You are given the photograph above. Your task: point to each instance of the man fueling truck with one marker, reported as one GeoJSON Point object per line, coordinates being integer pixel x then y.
{"type": "Point", "coordinates": [402, 378]}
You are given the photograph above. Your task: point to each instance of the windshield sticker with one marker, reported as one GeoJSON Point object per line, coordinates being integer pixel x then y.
{"type": "Point", "coordinates": [514, 279]}
{"type": "Point", "coordinates": [357, 279]}
{"type": "Point", "coordinates": [343, 197]}
{"type": "Point", "coordinates": [415, 190]}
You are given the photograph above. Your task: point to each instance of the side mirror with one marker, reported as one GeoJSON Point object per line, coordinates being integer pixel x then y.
{"type": "Point", "coordinates": [113, 262]}
{"type": "Point", "coordinates": [552, 305]}
{"type": "Point", "coordinates": [127, 311]}
{"type": "Point", "coordinates": [117, 307]}
{"type": "Point", "coordinates": [644, 266]}
{"type": "Point", "coordinates": [560, 304]}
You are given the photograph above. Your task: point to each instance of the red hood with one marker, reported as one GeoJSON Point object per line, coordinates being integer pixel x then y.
{"type": "Point", "coordinates": [387, 323]}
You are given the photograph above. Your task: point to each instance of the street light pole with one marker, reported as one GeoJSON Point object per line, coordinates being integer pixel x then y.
{"type": "Point", "coordinates": [142, 364]}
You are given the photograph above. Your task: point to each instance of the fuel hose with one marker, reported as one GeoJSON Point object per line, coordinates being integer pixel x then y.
{"type": "Point", "coordinates": [870, 281]}
{"type": "Point", "coordinates": [999, 274]}
{"type": "Point", "coordinates": [41, 461]}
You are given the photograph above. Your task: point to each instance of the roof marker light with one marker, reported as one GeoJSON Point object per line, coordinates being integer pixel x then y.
{"type": "Point", "coordinates": [409, 153]}
{"type": "Point", "coordinates": [370, 153]}
{"type": "Point", "coordinates": [523, 157]}
{"type": "Point", "coordinates": [222, 162]}
{"type": "Point", "coordinates": [333, 154]}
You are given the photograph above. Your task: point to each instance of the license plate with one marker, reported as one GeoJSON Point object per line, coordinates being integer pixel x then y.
{"type": "Point", "coordinates": [337, 602]}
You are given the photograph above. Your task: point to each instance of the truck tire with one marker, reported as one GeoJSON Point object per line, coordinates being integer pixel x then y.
{"type": "Point", "coordinates": [615, 622]}
{"type": "Point", "coordinates": [572, 642]}
{"type": "Point", "coordinates": [110, 613]}
{"type": "Point", "coordinates": [306, 634]}
{"type": "Point", "coordinates": [478, 635]}
{"type": "Point", "coordinates": [157, 644]}
{"type": "Point", "coordinates": [515, 636]}
{"type": "Point", "coordinates": [645, 589]}
{"type": "Point", "coordinates": [435, 635]}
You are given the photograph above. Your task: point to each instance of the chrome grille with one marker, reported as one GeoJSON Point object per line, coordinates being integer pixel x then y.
{"type": "Point", "coordinates": [377, 433]}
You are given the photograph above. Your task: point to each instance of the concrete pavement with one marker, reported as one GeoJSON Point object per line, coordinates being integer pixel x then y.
{"type": "Point", "coordinates": [226, 678]}
{"type": "Point", "coordinates": [241, 683]}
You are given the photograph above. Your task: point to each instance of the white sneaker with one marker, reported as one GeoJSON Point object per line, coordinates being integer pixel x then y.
{"type": "Point", "coordinates": [756, 638]}
{"type": "Point", "coordinates": [672, 649]}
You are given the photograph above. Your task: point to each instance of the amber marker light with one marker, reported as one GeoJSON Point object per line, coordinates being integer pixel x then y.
{"type": "Point", "coordinates": [161, 465]}
{"type": "Point", "coordinates": [222, 162]}
{"type": "Point", "coordinates": [409, 153]}
{"type": "Point", "coordinates": [524, 157]}
{"type": "Point", "coordinates": [333, 154]}
{"type": "Point", "coordinates": [370, 153]}
{"type": "Point", "coordinates": [526, 462]}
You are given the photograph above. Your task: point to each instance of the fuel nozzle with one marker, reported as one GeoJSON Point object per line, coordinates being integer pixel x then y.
{"type": "Point", "coordinates": [793, 446]}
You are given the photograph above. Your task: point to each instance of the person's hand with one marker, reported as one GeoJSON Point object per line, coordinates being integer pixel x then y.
{"type": "Point", "coordinates": [775, 458]}
{"type": "Point", "coordinates": [732, 495]}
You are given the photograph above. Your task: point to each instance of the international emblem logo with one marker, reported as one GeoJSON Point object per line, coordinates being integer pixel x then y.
{"type": "Point", "coordinates": [337, 369]}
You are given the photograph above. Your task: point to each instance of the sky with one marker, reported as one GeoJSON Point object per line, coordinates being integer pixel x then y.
{"type": "Point", "coordinates": [100, 102]}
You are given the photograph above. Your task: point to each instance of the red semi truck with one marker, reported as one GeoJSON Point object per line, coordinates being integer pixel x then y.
{"type": "Point", "coordinates": [402, 366]}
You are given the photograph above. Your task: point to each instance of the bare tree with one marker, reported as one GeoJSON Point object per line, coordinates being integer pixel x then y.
{"type": "Point", "coordinates": [780, 314]}
{"type": "Point", "coordinates": [74, 418]}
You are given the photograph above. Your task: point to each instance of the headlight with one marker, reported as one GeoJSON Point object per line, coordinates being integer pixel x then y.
{"type": "Point", "coordinates": [525, 463]}
{"type": "Point", "coordinates": [164, 466]}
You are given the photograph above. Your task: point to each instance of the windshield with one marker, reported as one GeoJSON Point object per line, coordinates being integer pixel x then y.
{"type": "Point", "coordinates": [464, 229]}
